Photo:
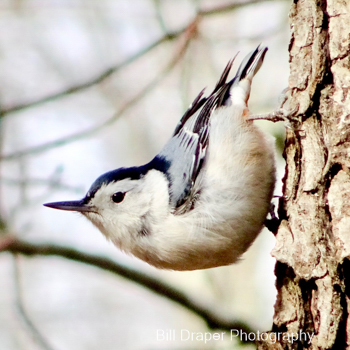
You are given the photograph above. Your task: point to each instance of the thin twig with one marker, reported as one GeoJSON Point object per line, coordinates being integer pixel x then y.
{"type": "Point", "coordinates": [190, 32]}
{"type": "Point", "coordinates": [229, 7]}
{"type": "Point", "coordinates": [108, 72]}
{"type": "Point", "coordinates": [212, 319]}
{"type": "Point", "coordinates": [77, 136]}
{"type": "Point", "coordinates": [94, 81]}
{"type": "Point", "coordinates": [34, 331]}
{"type": "Point", "coordinates": [159, 16]}
{"type": "Point", "coordinates": [51, 183]}
{"type": "Point", "coordinates": [42, 183]}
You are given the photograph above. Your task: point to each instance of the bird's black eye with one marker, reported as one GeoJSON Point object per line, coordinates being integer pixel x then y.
{"type": "Point", "coordinates": [118, 197]}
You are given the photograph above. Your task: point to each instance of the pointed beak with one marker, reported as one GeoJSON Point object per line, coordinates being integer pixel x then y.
{"type": "Point", "coordinates": [79, 206]}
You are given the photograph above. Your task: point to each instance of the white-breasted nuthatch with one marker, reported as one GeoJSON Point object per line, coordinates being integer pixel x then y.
{"type": "Point", "coordinates": [203, 199]}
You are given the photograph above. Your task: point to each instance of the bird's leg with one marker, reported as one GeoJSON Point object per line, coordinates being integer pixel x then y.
{"type": "Point", "coordinates": [274, 116]}
{"type": "Point", "coordinates": [283, 113]}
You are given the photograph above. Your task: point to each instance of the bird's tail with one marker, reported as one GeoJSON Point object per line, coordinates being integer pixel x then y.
{"type": "Point", "coordinates": [250, 64]}
{"type": "Point", "coordinates": [241, 83]}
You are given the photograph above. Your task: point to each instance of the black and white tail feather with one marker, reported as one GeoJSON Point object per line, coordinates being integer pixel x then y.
{"type": "Point", "coordinates": [203, 199]}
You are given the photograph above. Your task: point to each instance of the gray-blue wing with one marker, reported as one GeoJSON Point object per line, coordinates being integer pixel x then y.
{"type": "Point", "coordinates": [187, 148]}
{"type": "Point", "coordinates": [185, 152]}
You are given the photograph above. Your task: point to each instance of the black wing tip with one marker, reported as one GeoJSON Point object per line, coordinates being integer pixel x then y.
{"type": "Point", "coordinates": [199, 101]}
{"type": "Point", "coordinates": [192, 109]}
{"type": "Point", "coordinates": [224, 74]}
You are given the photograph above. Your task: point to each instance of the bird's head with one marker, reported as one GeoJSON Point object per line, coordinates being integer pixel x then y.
{"type": "Point", "coordinates": [123, 204]}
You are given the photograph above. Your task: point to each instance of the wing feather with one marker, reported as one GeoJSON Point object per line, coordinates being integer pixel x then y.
{"type": "Point", "coordinates": [187, 149]}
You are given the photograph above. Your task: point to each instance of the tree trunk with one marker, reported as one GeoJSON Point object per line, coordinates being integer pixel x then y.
{"type": "Point", "coordinates": [313, 240]}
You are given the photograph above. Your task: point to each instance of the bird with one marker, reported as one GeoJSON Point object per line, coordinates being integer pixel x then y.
{"type": "Point", "coordinates": [203, 199]}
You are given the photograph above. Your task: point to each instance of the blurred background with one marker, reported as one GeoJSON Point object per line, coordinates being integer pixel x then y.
{"type": "Point", "coordinates": [92, 85]}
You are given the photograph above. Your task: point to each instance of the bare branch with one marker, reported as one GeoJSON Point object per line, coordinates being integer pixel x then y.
{"type": "Point", "coordinates": [34, 331]}
{"type": "Point", "coordinates": [53, 183]}
{"type": "Point", "coordinates": [188, 35]}
{"type": "Point", "coordinates": [101, 77]}
{"type": "Point", "coordinates": [229, 7]}
{"type": "Point", "coordinates": [108, 72]}
{"type": "Point", "coordinates": [212, 319]}
{"type": "Point", "coordinates": [159, 16]}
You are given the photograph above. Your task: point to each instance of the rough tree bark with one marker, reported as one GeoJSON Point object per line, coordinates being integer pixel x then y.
{"type": "Point", "coordinates": [313, 240]}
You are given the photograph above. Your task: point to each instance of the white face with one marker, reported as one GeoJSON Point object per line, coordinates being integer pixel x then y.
{"type": "Point", "coordinates": [125, 210]}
